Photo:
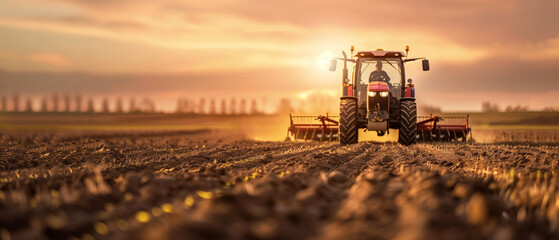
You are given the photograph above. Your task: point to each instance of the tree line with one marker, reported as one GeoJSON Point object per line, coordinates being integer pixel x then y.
{"type": "Point", "coordinates": [231, 106]}
{"type": "Point", "coordinates": [74, 103]}
{"type": "Point", "coordinates": [77, 103]}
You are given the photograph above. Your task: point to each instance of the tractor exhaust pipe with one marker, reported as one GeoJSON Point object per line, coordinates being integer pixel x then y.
{"type": "Point", "coordinates": [346, 84]}
{"type": "Point", "coordinates": [345, 72]}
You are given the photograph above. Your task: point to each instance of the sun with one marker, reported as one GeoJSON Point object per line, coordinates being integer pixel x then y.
{"type": "Point", "coordinates": [323, 60]}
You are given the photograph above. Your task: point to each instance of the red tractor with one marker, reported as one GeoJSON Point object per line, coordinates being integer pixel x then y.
{"type": "Point", "coordinates": [378, 99]}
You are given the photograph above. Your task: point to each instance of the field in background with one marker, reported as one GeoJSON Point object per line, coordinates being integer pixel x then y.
{"type": "Point", "coordinates": [514, 127]}
{"type": "Point", "coordinates": [509, 119]}
{"type": "Point", "coordinates": [535, 127]}
{"type": "Point", "coordinates": [259, 127]}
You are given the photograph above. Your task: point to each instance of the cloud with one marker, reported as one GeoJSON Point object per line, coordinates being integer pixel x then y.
{"type": "Point", "coordinates": [468, 29]}
{"type": "Point", "coordinates": [45, 60]}
{"type": "Point", "coordinates": [256, 81]}
{"type": "Point", "coordinates": [449, 84]}
{"type": "Point", "coordinates": [462, 20]}
{"type": "Point", "coordinates": [471, 26]}
{"type": "Point", "coordinates": [49, 59]}
{"type": "Point", "coordinates": [493, 74]}
{"type": "Point", "coordinates": [466, 22]}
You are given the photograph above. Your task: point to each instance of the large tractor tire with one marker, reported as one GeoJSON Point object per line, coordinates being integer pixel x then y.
{"type": "Point", "coordinates": [408, 123]}
{"type": "Point", "coordinates": [348, 121]}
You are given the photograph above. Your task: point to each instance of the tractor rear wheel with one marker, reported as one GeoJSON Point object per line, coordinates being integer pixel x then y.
{"type": "Point", "coordinates": [408, 123]}
{"type": "Point", "coordinates": [348, 121]}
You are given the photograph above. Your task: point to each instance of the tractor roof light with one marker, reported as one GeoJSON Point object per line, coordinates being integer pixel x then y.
{"type": "Point", "coordinates": [407, 50]}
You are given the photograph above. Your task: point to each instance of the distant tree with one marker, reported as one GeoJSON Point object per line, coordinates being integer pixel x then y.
{"type": "Point", "coordinates": [284, 106]}
{"type": "Point", "coordinates": [184, 106]}
{"type": "Point", "coordinates": [132, 106]}
{"type": "Point", "coordinates": [147, 106]}
{"type": "Point", "coordinates": [180, 106]}
{"type": "Point", "coordinates": [254, 107]}
{"type": "Point", "coordinates": [4, 104]}
{"type": "Point", "coordinates": [44, 104]}
{"type": "Point", "coordinates": [105, 105]}
{"type": "Point", "coordinates": [318, 102]}
{"type": "Point", "coordinates": [233, 106]}
{"type": "Point", "coordinates": [489, 107]}
{"type": "Point", "coordinates": [223, 106]}
{"type": "Point", "coordinates": [118, 106]}
{"type": "Point", "coordinates": [90, 106]}
{"type": "Point", "coordinates": [191, 106]}
{"type": "Point", "coordinates": [517, 108]}
{"type": "Point", "coordinates": [28, 105]}
{"type": "Point", "coordinates": [212, 109]}
{"type": "Point", "coordinates": [202, 106]}
{"type": "Point", "coordinates": [188, 105]}
{"type": "Point", "coordinates": [78, 102]}
{"type": "Point", "coordinates": [15, 103]}
{"type": "Point", "coordinates": [243, 106]}
{"type": "Point", "coordinates": [67, 103]}
{"type": "Point", "coordinates": [55, 103]}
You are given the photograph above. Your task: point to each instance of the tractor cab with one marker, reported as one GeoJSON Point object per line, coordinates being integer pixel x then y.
{"type": "Point", "coordinates": [374, 69]}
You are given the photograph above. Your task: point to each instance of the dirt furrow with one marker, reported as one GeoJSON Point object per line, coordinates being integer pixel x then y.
{"type": "Point", "coordinates": [166, 187]}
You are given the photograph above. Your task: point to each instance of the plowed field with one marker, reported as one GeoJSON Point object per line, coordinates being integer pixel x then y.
{"type": "Point", "coordinates": [209, 185]}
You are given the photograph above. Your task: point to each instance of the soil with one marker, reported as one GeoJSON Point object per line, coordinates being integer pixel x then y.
{"type": "Point", "coordinates": [219, 185]}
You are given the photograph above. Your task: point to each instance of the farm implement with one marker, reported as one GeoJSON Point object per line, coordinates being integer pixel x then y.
{"type": "Point", "coordinates": [316, 128]}
{"type": "Point", "coordinates": [429, 128]}
{"type": "Point", "coordinates": [435, 128]}
{"type": "Point", "coordinates": [377, 98]}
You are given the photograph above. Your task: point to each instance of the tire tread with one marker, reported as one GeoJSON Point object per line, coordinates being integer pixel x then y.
{"type": "Point", "coordinates": [348, 121]}
{"type": "Point", "coordinates": [408, 123]}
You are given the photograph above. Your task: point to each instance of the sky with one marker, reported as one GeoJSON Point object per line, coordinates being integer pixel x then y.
{"type": "Point", "coordinates": [502, 51]}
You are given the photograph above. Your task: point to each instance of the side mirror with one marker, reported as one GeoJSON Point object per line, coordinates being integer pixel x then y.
{"type": "Point", "coordinates": [333, 63]}
{"type": "Point", "coordinates": [425, 65]}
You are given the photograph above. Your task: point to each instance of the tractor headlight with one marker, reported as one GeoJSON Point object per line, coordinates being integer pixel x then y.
{"type": "Point", "coordinates": [372, 94]}
{"type": "Point", "coordinates": [384, 94]}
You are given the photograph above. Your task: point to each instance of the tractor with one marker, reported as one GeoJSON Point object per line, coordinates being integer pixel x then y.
{"type": "Point", "coordinates": [377, 98]}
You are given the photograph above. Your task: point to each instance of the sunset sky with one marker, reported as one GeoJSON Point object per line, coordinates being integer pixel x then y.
{"type": "Point", "coordinates": [504, 51]}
